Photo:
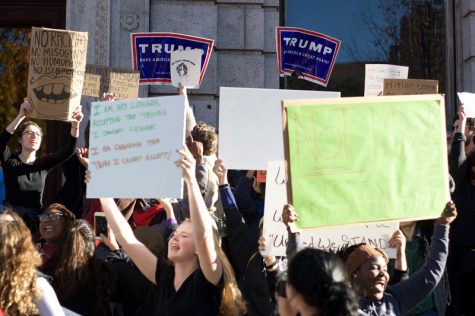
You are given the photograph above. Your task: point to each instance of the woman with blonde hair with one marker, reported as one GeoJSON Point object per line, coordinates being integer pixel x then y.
{"type": "Point", "coordinates": [200, 280]}
{"type": "Point", "coordinates": [22, 291]}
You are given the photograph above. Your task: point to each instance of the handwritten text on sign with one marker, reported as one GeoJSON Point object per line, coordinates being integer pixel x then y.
{"type": "Point", "coordinates": [331, 239]}
{"type": "Point", "coordinates": [56, 72]}
{"type": "Point", "coordinates": [135, 141]}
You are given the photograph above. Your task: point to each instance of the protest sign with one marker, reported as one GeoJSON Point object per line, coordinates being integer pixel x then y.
{"type": "Point", "coordinates": [123, 83]}
{"type": "Point", "coordinates": [310, 54]}
{"type": "Point", "coordinates": [331, 239]}
{"type": "Point", "coordinates": [410, 86]}
{"type": "Point", "coordinates": [376, 73]}
{"type": "Point", "coordinates": [358, 160]}
{"type": "Point", "coordinates": [133, 147]}
{"type": "Point", "coordinates": [244, 142]}
{"type": "Point", "coordinates": [185, 68]}
{"type": "Point", "coordinates": [56, 72]}
{"type": "Point", "coordinates": [151, 54]}
{"type": "Point", "coordinates": [468, 101]}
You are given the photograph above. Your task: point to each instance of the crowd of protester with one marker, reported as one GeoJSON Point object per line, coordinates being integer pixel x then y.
{"type": "Point", "coordinates": [203, 254]}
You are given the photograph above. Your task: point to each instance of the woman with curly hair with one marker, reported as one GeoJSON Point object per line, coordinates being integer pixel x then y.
{"type": "Point", "coordinates": [22, 291]}
{"type": "Point", "coordinates": [199, 279]}
{"type": "Point", "coordinates": [83, 283]}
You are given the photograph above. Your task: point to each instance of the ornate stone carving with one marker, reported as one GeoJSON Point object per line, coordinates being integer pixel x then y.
{"type": "Point", "coordinates": [129, 21]}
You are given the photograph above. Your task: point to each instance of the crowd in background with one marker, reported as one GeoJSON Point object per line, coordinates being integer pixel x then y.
{"type": "Point", "coordinates": [202, 255]}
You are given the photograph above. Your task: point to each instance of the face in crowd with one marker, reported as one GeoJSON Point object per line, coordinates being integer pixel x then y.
{"type": "Point", "coordinates": [30, 137]}
{"type": "Point", "coordinates": [368, 271]}
{"type": "Point", "coordinates": [181, 246]}
{"type": "Point", "coordinates": [54, 222]}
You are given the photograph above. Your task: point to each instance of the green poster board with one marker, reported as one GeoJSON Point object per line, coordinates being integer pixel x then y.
{"type": "Point", "coordinates": [360, 160]}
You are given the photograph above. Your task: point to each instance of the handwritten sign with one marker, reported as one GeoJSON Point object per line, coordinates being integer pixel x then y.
{"type": "Point", "coordinates": [133, 147]}
{"type": "Point", "coordinates": [332, 239]}
{"type": "Point", "coordinates": [312, 55]}
{"type": "Point", "coordinates": [358, 160]}
{"type": "Point", "coordinates": [410, 86]}
{"type": "Point", "coordinates": [246, 110]}
{"type": "Point", "coordinates": [185, 67]}
{"type": "Point", "coordinates": [376, 73]}
{"type": "Point", "coordinates": [122, 82]}
{"type": "Point", "coordinates": [56, 72]}
{"type": "Point", "coordinates": [151, 54]}
{"type": "Point", "coordinates": [468, 101]}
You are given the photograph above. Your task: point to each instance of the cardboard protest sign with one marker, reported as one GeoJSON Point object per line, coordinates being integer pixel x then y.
{"type": "Point", "coordinates": [331, 239]}
{"type": "Point", "coordinates": [185, 68]}
{"type": "Point", "coordinates": [310, 54]}
{"type": "Point", "coordinates": [151, 54]}
{"type": "Point", "coordinates": [135, 142]}
{"type": "Point", "coordinates": [243, 141]}
{"type": "Point", "coordinates": [376, 73]}
{"type": "Point", "coordinates": [468, 101]}
{"type": "Point", "coordinates": [357, 160]}
{"type": "Point", "coordinates": [123, 83]}
{"type": "Point", "coordinates": [56, 72]}
{"type": "Point", "coordinates": [410, 86]}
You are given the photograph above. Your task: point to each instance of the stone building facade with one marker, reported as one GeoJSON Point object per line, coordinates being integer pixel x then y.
{"type": "Point", "coordinates": [243, 30]}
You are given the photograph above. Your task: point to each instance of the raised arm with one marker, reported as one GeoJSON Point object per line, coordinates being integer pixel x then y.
{"type": "Point", "coordinates": [25, 109]}
{"type": "Point", "coordinates": [143, 258]}
{"type": "Point", "coordinates": [412, 291]}
{"type": "Point", "coordinates": [458, 157]}
{"type": "Point", "coordinates": [201, 221]}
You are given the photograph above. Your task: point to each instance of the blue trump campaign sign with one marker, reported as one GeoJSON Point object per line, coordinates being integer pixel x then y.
{"type": "Point", "coordinates": [309, 54]}
{"type": "Point", "coordinates": [151, 54]}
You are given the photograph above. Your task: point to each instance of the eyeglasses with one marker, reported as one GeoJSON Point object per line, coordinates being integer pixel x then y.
{"type": "Point", "coordinates": [50, 216]}
{"type": "Point", "coordinates": [31, 133]}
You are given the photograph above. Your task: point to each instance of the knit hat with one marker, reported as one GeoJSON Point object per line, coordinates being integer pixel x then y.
{"type": "Point", "coordinates": [362, 253]}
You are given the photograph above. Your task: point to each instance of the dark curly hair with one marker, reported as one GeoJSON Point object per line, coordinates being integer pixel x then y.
{"type": "Point", "coordinates": [321, 278]}
{"type": "Point", "coordinates": [206, 134]}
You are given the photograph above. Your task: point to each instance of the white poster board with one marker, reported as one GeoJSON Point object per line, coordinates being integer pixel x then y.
{"type": "Point", "coordinates": [133, 147]}
{"type": "Point", "coordinates": [250, 124]}
{"type": "Point", "coordinates": [331, 239]}
{"type": "Point", "coordinates": [468, 101]}
{"type": "Point", "coordinates": [376, 73]}
{"type": "Point", "coordinates": [185, 67]}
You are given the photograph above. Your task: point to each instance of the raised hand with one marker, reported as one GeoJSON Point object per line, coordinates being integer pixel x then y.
{"type": "Point", "coordinates": [221, 171]}
{"type": "Point", "coordinates": [82, 154]}
{"type": "Point", "coordinates": [448, 215]}
{"type": "Point", "coordinates": [187, 163]}
{"type": "Point", "coordinates": [25, 108]}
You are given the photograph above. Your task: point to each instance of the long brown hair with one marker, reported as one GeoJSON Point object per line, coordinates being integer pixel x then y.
{"type": "Point", "coordinates": [232, 303]}
{"type": "Point", "coordinates": [18, 262]}
{"type": "Point", "coordinates": [73, 267]}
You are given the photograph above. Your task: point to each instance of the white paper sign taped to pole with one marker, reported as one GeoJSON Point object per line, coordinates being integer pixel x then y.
{"type": "Point", "coordinates": [468, 101]}
{"type": "Point", "coordinates": [185, 67]}
{"type": "Point", "coordinates": [376, 73]}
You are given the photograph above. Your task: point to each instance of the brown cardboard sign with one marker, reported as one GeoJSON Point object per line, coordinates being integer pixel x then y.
{"type": "Point", "coordinates": [410, 86]}
{"type": "Point", "coordinates": [123, 83]}
{"type": "Point", "coordinates": [56, 72]}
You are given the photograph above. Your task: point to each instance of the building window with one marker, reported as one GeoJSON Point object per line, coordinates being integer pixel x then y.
{"type": "Point", "coordinates": [402, 32]}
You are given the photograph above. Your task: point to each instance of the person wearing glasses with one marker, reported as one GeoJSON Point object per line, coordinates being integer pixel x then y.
{"type": "Point", "coordinates": [24, 172]}
{"type": "Point", "coordinates": [54, 223]}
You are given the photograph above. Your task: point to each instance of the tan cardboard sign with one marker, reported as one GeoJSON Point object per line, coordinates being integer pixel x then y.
{"type": "Point", "coordinates": [56, 72]}
{"type": "Point", "coordinates": [410, 86]}
{"type": "Point", "coordinates": [123, 82]}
